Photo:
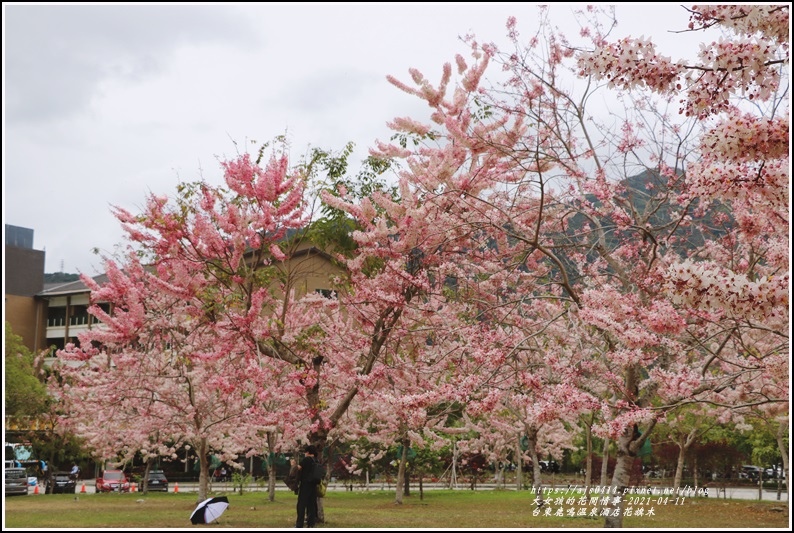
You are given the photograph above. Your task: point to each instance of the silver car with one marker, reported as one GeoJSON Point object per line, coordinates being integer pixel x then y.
{"type": "Point", "coordinates": [16, 480]}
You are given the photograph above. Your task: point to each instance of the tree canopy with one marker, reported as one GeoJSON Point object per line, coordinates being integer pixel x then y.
{"type": "Point", "coordinates": [25, 393]}
{"type": "Point", "coordinates": [510, 271]}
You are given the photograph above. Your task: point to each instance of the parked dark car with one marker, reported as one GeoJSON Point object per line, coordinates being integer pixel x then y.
{"type": "Point", "coordinates": [157, 481]}
{"type": "Point", "coordinates": [549, 466]}
{"type": "Point", "coordinates": [63, 483]}
{"type": "Point", "coordinates": [750, 472]}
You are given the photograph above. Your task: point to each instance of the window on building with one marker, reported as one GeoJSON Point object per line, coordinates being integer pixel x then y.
{"type": "Point", "coordinates": [327, 293]}
{"type": "Point", "coordinates": [55, 345]}
{"type": "Point", "coordinates": [79, 315]}
{"type": "Point", "coordinates": [56, 317]}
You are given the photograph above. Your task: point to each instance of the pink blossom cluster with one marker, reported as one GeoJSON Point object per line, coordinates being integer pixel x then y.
{"type": "Point", "coordinates": [771, 21]}
{"type": "Point", "coordinates": [712, 288]}
{"type": "Point", "coordinates": [728, 67]}
{"type": "Point", "coordinates": [742, 137]}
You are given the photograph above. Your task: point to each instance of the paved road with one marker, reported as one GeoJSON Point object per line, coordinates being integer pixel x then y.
{"type": "Point", "coordinates": [746, 493]}
{"type": "Point", "coordinates": [739, 493]}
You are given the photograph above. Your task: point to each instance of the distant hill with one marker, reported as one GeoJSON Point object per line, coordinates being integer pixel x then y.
{"type": "Point", "coordinates": [60, 277]}
{"type": "Point", "coordinates": [639, 192]}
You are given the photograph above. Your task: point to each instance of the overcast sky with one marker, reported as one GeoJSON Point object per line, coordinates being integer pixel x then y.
{"type": "Point", "coordinates": [103, 104]}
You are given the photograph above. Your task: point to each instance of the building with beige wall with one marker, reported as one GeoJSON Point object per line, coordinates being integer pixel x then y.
{"type": "Point", "coordinates": [307, 269]}
{"type": "Point", "coordinates": [53, 316]}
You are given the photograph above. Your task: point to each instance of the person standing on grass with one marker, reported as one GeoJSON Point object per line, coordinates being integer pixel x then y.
{"type": "Point", "coordinates": [293, 478]}
{"type": "Point", "coordinates": [307, 491]}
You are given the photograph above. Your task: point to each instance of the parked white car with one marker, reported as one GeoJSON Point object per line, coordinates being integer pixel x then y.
{"type": "Point", "coordinates": [774, 472]}
{"type": "Point", "coordinates": [15, 479]}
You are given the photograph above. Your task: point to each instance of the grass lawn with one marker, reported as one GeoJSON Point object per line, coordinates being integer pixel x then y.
{"type": "Point", "coordinates": [463, 509]}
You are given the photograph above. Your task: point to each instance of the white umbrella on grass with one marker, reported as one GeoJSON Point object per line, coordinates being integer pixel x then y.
{"type": "Point", "coordinates": [209, 510]}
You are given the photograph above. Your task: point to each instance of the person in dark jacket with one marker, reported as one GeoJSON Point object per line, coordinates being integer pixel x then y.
{"type": "Point", "coordinates": [307, 492]}
{"type": "Point", "coordinates": [293, 478]}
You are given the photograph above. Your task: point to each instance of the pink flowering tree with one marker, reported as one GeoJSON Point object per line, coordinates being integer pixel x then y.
{"type": "Point", "coordinates": [658, 234]}
{"type": "Point", "coordinates": [657, 280]}
{"type": "Point", "coordinates": [533, 396]}
{"type": "Point", "coordinates": [425, 384]}
{"type": "Point", "coordinates": [152, 380]}
{"type": "Point", "coordinates": [208, 311]}
{"type": "Point", "coordinates": [524, 195]}
{"type": "Point", "coordinates": [739, 282]}
{"type": "Point", "coordinates": [200, 318]}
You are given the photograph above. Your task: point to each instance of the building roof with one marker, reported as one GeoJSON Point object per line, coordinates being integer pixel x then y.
{"type": "Point", "coordinates": [78, 287]}
{"type": "Point", "coordinates": [70, 287]}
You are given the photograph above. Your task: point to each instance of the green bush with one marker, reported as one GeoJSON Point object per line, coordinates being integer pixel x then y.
{"type": "Point", "coordinates": [240, 480]}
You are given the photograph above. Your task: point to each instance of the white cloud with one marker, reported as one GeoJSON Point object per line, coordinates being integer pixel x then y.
{"type": "Point", "coordinates": [106, 103]}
